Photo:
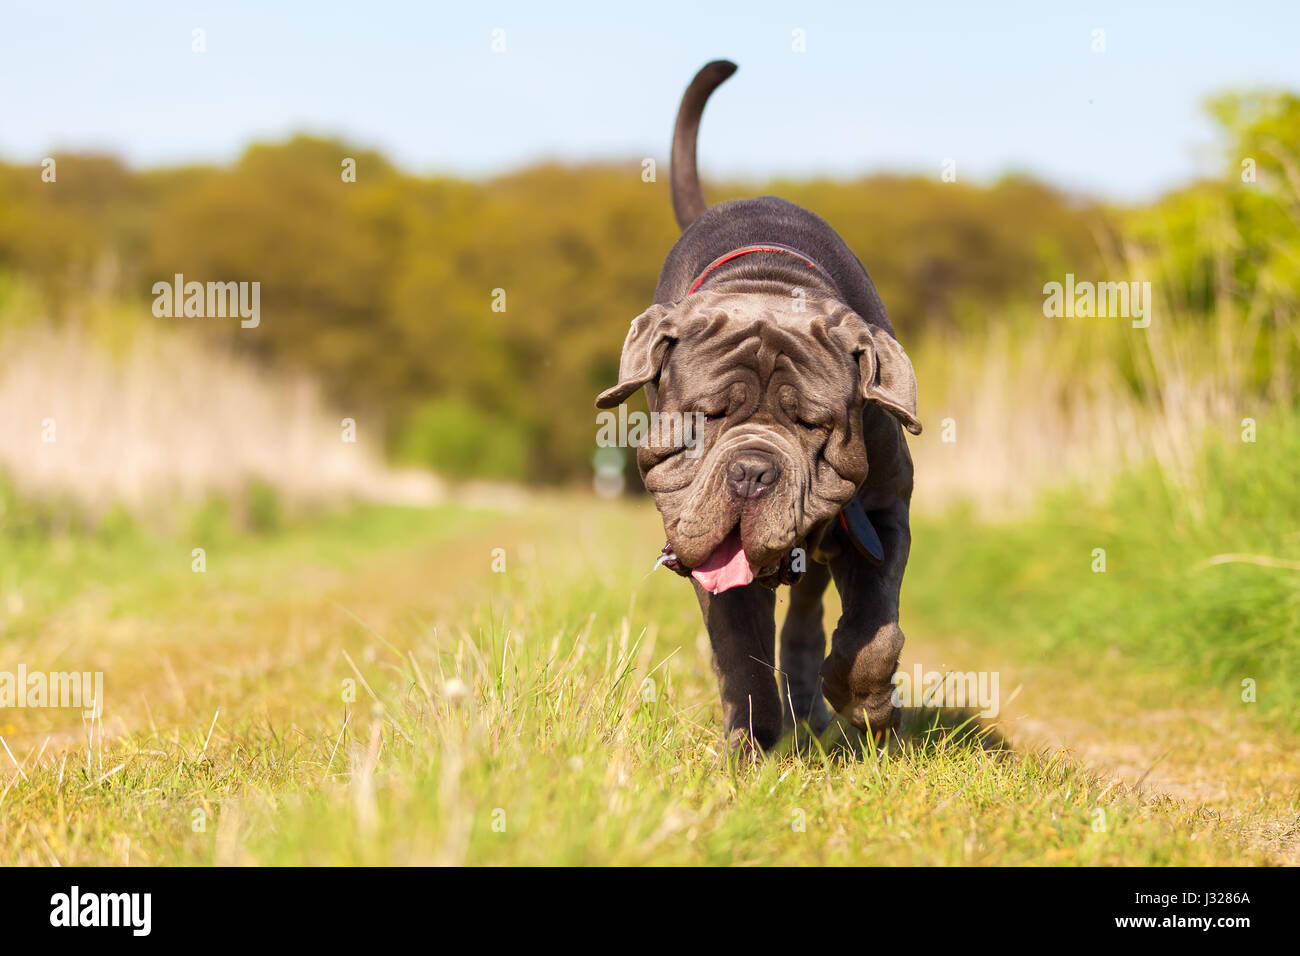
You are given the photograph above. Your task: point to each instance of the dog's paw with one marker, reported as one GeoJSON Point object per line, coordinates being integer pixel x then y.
{"type": "Point", "coordinates": [745, 747]}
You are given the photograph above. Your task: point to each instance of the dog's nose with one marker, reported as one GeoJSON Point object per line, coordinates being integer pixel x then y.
{"type": "Point", "coordinates": [751, 475]}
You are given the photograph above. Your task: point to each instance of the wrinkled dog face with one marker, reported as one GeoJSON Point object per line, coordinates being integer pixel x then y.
{"type": "Point", "coordinates": [780, 394]}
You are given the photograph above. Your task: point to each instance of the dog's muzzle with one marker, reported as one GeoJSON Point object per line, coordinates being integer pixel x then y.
{"type": "Point", "coordinates": [751, 475]}
{"type": "Point", "coordinates": [771, 576]}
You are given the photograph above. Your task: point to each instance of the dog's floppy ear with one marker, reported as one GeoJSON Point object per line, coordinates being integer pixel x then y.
{"type": "Point", "coordinates": [652, 332]}
{"type": "Point", "coordinates": [886, 374]}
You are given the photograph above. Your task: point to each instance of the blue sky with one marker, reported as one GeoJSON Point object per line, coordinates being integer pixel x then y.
{"type": "Point", "coordinates": [881, 86]}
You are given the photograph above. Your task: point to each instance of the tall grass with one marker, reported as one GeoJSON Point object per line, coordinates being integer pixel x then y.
{"type": "Point", "coordinates": [1196, 603]}
{"type": "Point", "coordinates": [153, 416]}
{"type": "Point", "coordinates": [1031, 402]}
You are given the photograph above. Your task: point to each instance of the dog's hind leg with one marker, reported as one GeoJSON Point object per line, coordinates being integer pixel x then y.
{"type": "Point", "coordinates": [742, 630]}
{"type": "Point", "coordinates": [803, 647]}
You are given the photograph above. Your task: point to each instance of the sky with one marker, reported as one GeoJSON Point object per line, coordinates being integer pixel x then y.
{"type": "Point", "coordinates": [900, 87]}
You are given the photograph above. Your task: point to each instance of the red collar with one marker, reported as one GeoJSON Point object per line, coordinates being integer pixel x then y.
{"type": "Point", "coordinates": [759, 247]}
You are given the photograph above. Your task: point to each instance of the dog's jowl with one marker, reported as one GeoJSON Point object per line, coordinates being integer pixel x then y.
{"type": "Point", "coordinates": [767, 327]}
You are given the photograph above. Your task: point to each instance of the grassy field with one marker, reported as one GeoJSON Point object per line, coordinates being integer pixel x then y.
{"type": "Point", "coordinates": [317, 648]}
{"type": "Point", "coordinates": [368, 689]}
{"type": "Point", "coordinates": [1201, 602]}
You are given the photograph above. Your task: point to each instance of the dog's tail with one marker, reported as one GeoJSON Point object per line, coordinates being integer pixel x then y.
{"type": "Point", "coordinates": [688, 197]}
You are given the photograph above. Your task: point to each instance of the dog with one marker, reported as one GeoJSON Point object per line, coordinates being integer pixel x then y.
{"type": "Point", "coordinates": [767, 328]}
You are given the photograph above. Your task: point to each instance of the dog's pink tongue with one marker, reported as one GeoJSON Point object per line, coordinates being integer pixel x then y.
{"type": "Point", "coordinates": [726, 567]}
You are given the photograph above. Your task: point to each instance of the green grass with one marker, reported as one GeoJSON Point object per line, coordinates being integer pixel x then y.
{"type": "Point", "coordinates": [619, 785]}
{"type": "Point", "coordinates": [45, 569]}
{"type": "Point", "coordinates": [365, 689]}
{"type": "Point", "coordinates": [1159, 609]}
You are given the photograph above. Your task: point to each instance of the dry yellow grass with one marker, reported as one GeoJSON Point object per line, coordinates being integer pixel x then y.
{"type": "Point", "coordinates": [1038, 402]}
{"type": "Point", "coordinates": [168, 419]}
{"type": "Point", "coordinates": [1013, 412]}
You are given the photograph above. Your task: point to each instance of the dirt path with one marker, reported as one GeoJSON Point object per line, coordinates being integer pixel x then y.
{"type": "Point", "coordinates": [1146, 734]}
{"type": "Point", "coordinates": [1231, 765]}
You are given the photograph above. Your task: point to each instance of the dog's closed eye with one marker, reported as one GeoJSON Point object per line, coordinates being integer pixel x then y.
{"type": "Point", "coordinates": [807, 418]}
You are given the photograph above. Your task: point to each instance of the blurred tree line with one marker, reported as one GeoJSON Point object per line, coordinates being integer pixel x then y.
{"type": "Point", "coordinates": [1230, 247]}
{"type": "Point", "coordinates": [383, 288]}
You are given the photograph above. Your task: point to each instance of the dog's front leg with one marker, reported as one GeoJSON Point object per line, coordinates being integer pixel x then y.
{"type": "Point", "coordinates": [742, 630]}
{"type": "Point", "coordinates": [859, 672]}
{"type": "Point", "coordinates": [803, 648]}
